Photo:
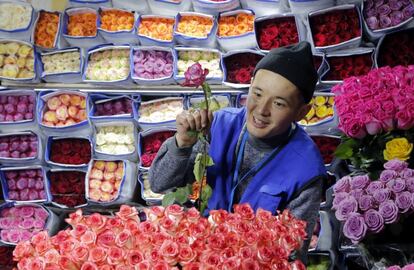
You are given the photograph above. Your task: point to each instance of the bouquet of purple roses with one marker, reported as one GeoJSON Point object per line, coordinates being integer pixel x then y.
{"type": "Point", "coordinates": [366, 206]}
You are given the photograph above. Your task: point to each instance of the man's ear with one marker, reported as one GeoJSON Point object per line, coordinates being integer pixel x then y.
{"type": "Point", "coordinates": [303, 111]}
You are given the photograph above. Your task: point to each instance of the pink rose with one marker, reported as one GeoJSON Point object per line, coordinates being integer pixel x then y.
{"type": "Point", "coordinates": [80, 253]}
{"type": "Point", "coordinates": [195, 75]}
{"type": "Point", "coordinates": [97, 255]}
{"type": "Point", "coordinates": [373, 127]}
{"type": "Point", "coordinates": [135, 257]}
{"type": "Point", "coordinates": [355, 129]}
{"type": "Point", "coordinates": [405, 121]}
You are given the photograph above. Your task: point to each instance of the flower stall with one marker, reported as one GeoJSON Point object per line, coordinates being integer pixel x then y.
{"type": "Point", "coordinates": [90, 90]}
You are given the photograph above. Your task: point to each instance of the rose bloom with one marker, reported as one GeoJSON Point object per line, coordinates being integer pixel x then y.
{"type": "Point", "coordinates": [399, 148]}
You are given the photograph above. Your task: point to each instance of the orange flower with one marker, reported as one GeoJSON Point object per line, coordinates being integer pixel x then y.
{"type": "Point", "coordinates": [82, 24]}
{"type": "Point", "coordinates": [235, 25]}
{"type": "Point", "coordinates": [46, 29]}
{"type": "Point", "coordinates": [158, 28]}
{"type": "Point", "coordinates": [195, 26]}
{"type": "Point", "coordinates": [117, 20]}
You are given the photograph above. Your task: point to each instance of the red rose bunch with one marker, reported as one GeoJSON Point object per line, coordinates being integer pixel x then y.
{"type": "Point", "coordinates": [397, 49]}
{"type": "Point", "coordinates": [240, 67]}
{"type": "Point", "coordinates": [74, 151]}
{"type": "Point", "coordinates": [343, 67]}
{"type": "Point", "coordinates": [335, 27]}
{"type": "Point", "coordinates": [277, 32]}
{"type": "Point", "coordinates": [327, 147]}
{"type": "Point", "coordinates": [151, 144]}
{"type": "Point", "coordinates": [6, 258]}
{"type": "Point", "coordinates": [25, 185]}
{"type": "Point", "coordinates": [68, 187]}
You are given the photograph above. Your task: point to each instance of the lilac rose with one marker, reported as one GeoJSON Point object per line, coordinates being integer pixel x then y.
{"type": "Point", "coordinates": [389, 211]}
{"type": "Point", "coordinates": [374, 220]}
{"type": "Point", "coordinates": [403, 201]}
{"type": "Point", "coordinates": [408, 11]}
{"type": "Point", "coordinates": [409, 184]}
{"type": "Point", "coordinates": [396, 185]}
{"type": "Point", "coordinates": [338, 198]}
{"type": "Point", "coordinates": [384, 10]}
{"type": "Point", "coordinates": [395, 5]}
{"type": "Point", "coordinates": [374, 186]}
{"type": "Point", "coordinates": [357, 193]}
{"type": "Point", "coordinates": [355, 227]}
{"type": "Point", "coordinates": [382, 195]}
{"type": "Point", "coordinates": [406, 173]}
{"type": "Point", "coordinates": [359, 181]}
{"type": "Point", "coordinates": [342, 185]}
{"type": "Point", "coordinates": [387, 175]}
{"type": "Point", "coordinates": [408, 267]}
{"type": "Point", "coordinates": [396, 17]}
{"type": "Point", "coordinates": [345, 208]}
{"type": "Point", "coordinates": [366, 202]}
{"type": "Point", "coordinates": [396, 165]}
{"type": "Point", "coordinates": [372, 22]}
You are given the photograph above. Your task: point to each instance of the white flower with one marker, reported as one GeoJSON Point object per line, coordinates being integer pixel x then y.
{"type": "Point", "coordinates": [14, 16]}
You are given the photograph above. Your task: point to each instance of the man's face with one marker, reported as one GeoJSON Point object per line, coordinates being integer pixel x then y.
{"type": "Point", "coordinates": [273, 104]}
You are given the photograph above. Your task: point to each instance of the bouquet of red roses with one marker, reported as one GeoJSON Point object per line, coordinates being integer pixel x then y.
{"type": "Point", "coordinates": [276, 32]}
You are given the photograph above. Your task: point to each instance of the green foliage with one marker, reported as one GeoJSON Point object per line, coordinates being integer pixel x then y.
{"type": "Point", "coordinates": [180, 195]}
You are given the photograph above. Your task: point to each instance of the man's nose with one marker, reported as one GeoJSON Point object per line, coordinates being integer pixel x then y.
{"type": "Point", "coordinates": [263, 107]}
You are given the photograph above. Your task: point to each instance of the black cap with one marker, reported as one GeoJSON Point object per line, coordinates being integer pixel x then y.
{"type": "Point", "coordinates": [295, 63]}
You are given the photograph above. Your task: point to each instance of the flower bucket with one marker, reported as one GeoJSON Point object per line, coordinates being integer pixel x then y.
{"type": "Point", "coordinates": [56, 69]}
{"type": "Point", "coordinates": [169, 7]}
{"type": "Point", "coordinates": [21, 148]}
{"type": "Point", "coordinates": [10, 27]}
{"type": "Point", "coordinates": [140, 6]}
{"type": "Point", "coordinates": [208, 58]}
{"type": "Point", "coordinates": [215, 7]}
{"type": "Point", "coordinates": [149, 38]}
{"type": "Point", "coordinates": [265, 7]}
{"type": "Point", "coordinates": [160, 112]}
{"type": "Point", "coordinates": [125, 35]}
{"type": "Point", "coordinates": [150, 197]}
{"type": "Point", "coordinates": [90, 3]}
{"type": "Point", "coordinates": [207, 39]}
{"type": "Point", "coordinates": [106, 108]}
{"type": "Point", "coordinates": [46, 25]}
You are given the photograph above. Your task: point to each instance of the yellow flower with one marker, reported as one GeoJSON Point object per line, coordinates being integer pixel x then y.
{"type": "Point", "coordinates": [322, 112]}
{"type": "Point", "coordinates": [320, 100]}
{"type": "Point", "coordinates": [399, 148]}
{"type": "Point", "coordinates": [310, 114]}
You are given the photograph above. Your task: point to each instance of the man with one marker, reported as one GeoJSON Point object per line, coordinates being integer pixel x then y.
{"type": "Point", "coordinates": [261, 155]}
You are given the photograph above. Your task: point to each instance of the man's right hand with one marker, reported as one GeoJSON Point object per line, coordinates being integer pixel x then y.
{"type": "Point", "coordinates": [191, 120]}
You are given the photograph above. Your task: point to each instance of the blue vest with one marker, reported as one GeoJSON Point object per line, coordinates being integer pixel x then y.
{"type": "Point", "coordinates": [272, 187]}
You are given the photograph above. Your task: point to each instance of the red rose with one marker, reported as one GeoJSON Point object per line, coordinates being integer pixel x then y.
{"type": "Point", "coordinates": [243, 76]}
{"type": "Point", "coordinates": [146, 160]}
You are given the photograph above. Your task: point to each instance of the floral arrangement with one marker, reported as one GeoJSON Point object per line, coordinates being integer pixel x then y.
{"type": "Point", "coordinates": [327, 147]}
{"type": "Point", "coordinates": [240, 67]}
{"type": "Point", "coordinates": [6, 258]}
{"type": "Point", "coordinates": [25, 184]}
{"type": "Point", "coordinates": [61, 62]}
{"type": "Point", "coordinates": [160, 110]}
{"type": "Point", "coordinates": [116, 20]}
{"type": "Point", "coordinates": [104, 181]}
{"type": "Point", "coordinates": [342, 67]}
{"type": "Point", "coordinates": [67, 187]}
{"type": "Point", "coordinates": [114, 107]}
{"type": "Point", "coordinates": [108, 65]}
{"type": "Point", "coordinates": [387, 13]}
{"type": "Point", "coordinates": [15, 16]}
{"type": "Point", "coordinates": [16, 108]}
{"type": "Point", "coordinates": [195, 26]}
{"type": "Point", "coordinates": [396, 267]}
{"type": "Point", "coordinates": [335, 27]}
{"type": "Point", "coordinates": [375, 112]}
{"type": "Point", "coordinates": [153, 64]}
{"type": "Point", "coordinates": [208, 60]}
{"type": "Point", "coordinates": [367, 206]}
{"type": "Point", "coordinates": [82, 24]}
{"type": "Point", "coordinates": [21, 222]}
{"type": "Point", "coordinates": [235, 25]}
{"type": "Point", "coordinates": [16, 60]}
{"type": "Point", "coordinates": [73, 151]}
{"type": "Point", "coordinates": [64, 110]}
{"type": "Point", "coordinates": [46, 29]}
{"type": "Point", "coordinates": [157, 28]}
{"type": "Point", "coordinates": [395, 49]}
{"type": "Point", "coordinates": [19, 146]}
{"type": "Point", "coordinates": [225, 241]}
{"type": "Point", "coordinates": [151, 144]}
{"type": "Point", "coordinates": [276, 32]}
{"type": "Point", "coordinates": [322, 108]}
{"type": "Point", "coordinates": [115, 140]}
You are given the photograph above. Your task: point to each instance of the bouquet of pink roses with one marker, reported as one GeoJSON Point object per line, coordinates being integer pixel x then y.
{"type": "Point", "coordinates": [169, 238]}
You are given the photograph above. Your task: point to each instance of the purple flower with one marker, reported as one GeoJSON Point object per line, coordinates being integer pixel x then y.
{"type": "Point", "coordinates": [368, 4]}
{"type": "Point", "coordinates": [370, 12]}
{"type": "Point", "coordinates": [168, 69]}
{"type": "Point", "coordinates": [355, 227]}
{"type": "Point", "coordinates": [366, 202]}
{"type": "Point", "coordinates": [409, 184]}
{"type": "Point", "coordinates": [145, 75]}
{"type": "Point", "coordinates": [11, 184]}
{"type": "Point", "coordinates": [159, 65]}
{"type": "Point", "coordinates": [342, 185]}
{"type": "Point", "coordinates": [387, 175]}
{"type": "Point", "coordinates": [382, 195]}
{"type": "Point", "coordinates": [14, 195]}
{"type": "Point", "coordinates": [14, 236]}
{"type": "Point", "coordinates": [357, 193]}
{"type": "Point", "coordinates": [10, 175]}
{"type": "Point", "coordinates": [169, 58]}
{"type": "Point", "coordinates": [394, 267]}
{"type": "Point", "coordinates": [374, 220]}
{"type": "Point", "coordinates": [338, 198]}
{"type": "Point", "coordinates": [378, 3]}
{"type": "Point", "coordinates": [21, 183]}
{"type": "Point", "coordinates": [408, 11]}
{"type": "Point", "coordinates": [25, 235]}
{"type": "Point", "coordinates": [138, 68]}
{"type": "Point", "coordinates": [149, 66]}
{"type": "Point", "coordinates": [389, 211]}
{"type": "Point", "coordinates": [396, 165]}
{"type": "Point", "coordinates": [39, 185]}
{"type": "Point", "coordinates": [139, 56]}
{"type": "Point", "coordinates": [160, 54]}
{"type": "Point", "coordinates": [26, 211]}
{"type": "Point", "coordinates": [403, 201]}
{"type": "Point", "coordinates": [373, 186]}
{"type": "Point", "coordinates": [396, 185]}
{"type": "Point", "coordinates": [372, 22]}
{"type": "Point", "coordinates": [4, 235]}
{"type": "Point", "coordinates": [396, 17]}
{"type": "Point", "coordinates": [395, 5]}
{"type": "Point", "coordinates": [195, 75]}
{"type": "Point", "coordinates": [5, 223]}
{"type": "Point", "coordinates": [406, 173]}
{"type": "Point", "coordinates": [345, 208]}
{"type": "Point", "coordinates": [383, 10]}
{"type": "Point", "coordinates": [39, 223]}
{"type": "Point", "coordinates": [27, 223]}
{"type": "Point", "coordinates": [359, 181]}
{"type": "Point", "coordinates": [41, 213]}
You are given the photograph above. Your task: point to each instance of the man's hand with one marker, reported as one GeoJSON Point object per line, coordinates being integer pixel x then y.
{"type": "Point", "coordinates": [191, 120]}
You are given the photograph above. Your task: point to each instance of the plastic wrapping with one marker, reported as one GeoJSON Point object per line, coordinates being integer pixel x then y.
{"type": "Point", "coordinates": [62, 77]}
{"type": "Point", "coordinates": [21, 33]}
{"type": "Point", "coordinates": [59, 42]}
{"type": "Point", "coordinates": [169, 7]}
{"type": "Point", "coordinates": [215, 7]}
{"type": "Point", "coordinates": [96, 99]}
{"type": "Point", "coordinates": [140, 6]}
{"type": "Point", "coordinates": [10, 161]}
{"type": "Point", "coordinates": [209, 41]}
{"type": "Point", "coordinates": [307, 6]}
{"type": "Point", "coordinates": [266, 7]}
{"type": "Point", "coordinates": [90, 3]}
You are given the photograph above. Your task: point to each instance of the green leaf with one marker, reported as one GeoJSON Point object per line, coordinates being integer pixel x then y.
{"type": "Point", "coordinates": [168, 199]}
{"type": "Point", "coordinates": [209, 162]}
{"type": "Point", "coordinates": [206, 194]}
{"type": "Point", "coordinates": [181, 195]}
{"type": "Point", "coordinates": [199, 167]}
{"type": "Point", "coordinates": [346, 149]}
{"type": "Point", "coordinates": [203, 206]}
{"type": "Point", "coordinates": [192, 133]}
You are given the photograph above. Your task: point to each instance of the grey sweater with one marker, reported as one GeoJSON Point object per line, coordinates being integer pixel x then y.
{"type": "Point", "coordinates": [173, 167]}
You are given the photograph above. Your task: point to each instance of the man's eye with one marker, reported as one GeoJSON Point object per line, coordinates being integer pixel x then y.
{"type": "Point", "coordinates": [279, 104]}
{"type": "Point", "coordinates": [257, 94]}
